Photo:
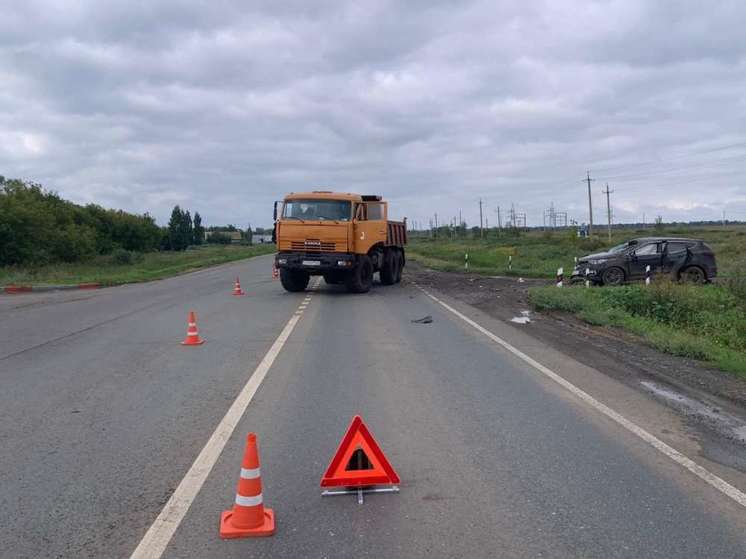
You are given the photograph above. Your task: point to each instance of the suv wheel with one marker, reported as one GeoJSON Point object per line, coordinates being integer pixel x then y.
{"type": "Point", "coordinates": [361, 277]}
{"type": "Point", "coordinates": [613, 276]}
{"type": "Point", "coordinates": [692, 274]}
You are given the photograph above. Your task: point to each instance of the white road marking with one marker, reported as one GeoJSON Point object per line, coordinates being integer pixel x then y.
{"type": "Point", "coordinates": [154, 543]}
{"type": "Point", "coordinates": [704, 474]}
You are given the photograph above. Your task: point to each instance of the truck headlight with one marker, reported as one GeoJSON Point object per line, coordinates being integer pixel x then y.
{"type": "Point", "coordinates": [343, 263]}
{"type": "Point", "coordinates": [282, 260]}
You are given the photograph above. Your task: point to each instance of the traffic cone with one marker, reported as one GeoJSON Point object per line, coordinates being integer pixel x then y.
{"type": "Point", "coordinates": [237, 291]}
{"type": "Point", "coordinates": [248, 518]}
{"type": "Point", "coordinates": [275, 272]}
{"type": "Point", "coordinates": [192, 337]}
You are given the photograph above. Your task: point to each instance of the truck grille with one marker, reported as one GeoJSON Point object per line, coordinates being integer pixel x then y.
{"type": "Point", "coordinates": [312, 245]}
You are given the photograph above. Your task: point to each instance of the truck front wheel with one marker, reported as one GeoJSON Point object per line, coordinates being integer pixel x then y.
{"type": "Point", "coordinates": [294, 280]}
{"type": "Point", "coordinates": [361, 277]}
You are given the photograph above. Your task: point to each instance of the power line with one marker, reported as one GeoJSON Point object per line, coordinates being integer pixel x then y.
{"type": "Point", "coordinates": [481, 230]}
{"type": "Point", "coordinates": [590, 204]}
{"type": "Point", "coordinates": [608, 206]}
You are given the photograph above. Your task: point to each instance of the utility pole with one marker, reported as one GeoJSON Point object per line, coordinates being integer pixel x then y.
{"type": "Point", "coordinates": [436, 225]}
{"type": "Point", "coordinates": [590, 205]}
{"type": "Point", "coordinates": [499, 223]}
{"type": "Point", "coordinates": [481, 229]}
{"type": "Point", "coordinates": [608, 205]}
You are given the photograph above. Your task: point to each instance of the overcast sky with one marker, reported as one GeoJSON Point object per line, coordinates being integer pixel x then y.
{"type": "Point", "coordinates": [223, 107]}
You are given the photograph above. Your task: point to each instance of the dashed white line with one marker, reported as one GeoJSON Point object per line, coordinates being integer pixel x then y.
{"type": "Point", "coordinates": [704, 474]}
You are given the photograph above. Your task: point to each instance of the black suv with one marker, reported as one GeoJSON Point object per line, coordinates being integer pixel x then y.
{"type": "Point", "coordinates": [682, 259]}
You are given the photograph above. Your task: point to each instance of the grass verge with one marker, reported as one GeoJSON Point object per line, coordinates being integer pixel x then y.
{"type": "Point", "coordinates": [538, 254]}
{"type": "Point", "coordinates": [707, 323]}
{"type": "Point", "coordinates": [106, 270]}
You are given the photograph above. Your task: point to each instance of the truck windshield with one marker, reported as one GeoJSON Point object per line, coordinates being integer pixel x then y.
{"type": "Point", "coordinates": [317, 210]}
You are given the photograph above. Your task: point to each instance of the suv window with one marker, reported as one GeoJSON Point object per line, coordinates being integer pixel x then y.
{"type": "Point", "coordinates": [676, 247]}
{"type": "Point", "coordinates": [652, 248]}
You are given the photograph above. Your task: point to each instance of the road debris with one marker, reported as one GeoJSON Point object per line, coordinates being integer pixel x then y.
{"type": "Point", "coordinates": [424, 320]}
{"type": "Point", "coordinates": [525, 318]}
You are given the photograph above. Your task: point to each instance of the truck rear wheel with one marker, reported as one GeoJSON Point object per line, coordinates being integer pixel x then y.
{"type": "Point", "coordinates": [294, 280]}
{"type": "Point", "coordinates": [361, 277]}
{"type": "Point", "coordinates": [388, 270]}
{"type": "Point", "coordinates": [399, 265]}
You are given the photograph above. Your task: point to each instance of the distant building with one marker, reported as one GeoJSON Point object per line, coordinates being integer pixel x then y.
{"type": "Point", "coordinates": [261, 239]}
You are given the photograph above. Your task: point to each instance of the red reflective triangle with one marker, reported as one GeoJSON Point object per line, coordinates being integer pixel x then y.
{"type": "Point", "coordinates": [358, 437]}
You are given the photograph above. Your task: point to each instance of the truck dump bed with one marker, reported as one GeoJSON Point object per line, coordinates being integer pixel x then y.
{"type": "Point", "coordinates": [396, 234]}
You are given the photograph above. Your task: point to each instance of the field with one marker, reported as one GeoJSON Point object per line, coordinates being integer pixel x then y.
{"type": "Point", "coordinates": [539, 254]}
{"type": "Point", "coordinates": [707, 323]}
{"type": "Point", "coordinates": [108, 270]}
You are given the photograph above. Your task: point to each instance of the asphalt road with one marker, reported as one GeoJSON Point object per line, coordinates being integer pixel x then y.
{"type": "Point", "coordinates": [102, 413]}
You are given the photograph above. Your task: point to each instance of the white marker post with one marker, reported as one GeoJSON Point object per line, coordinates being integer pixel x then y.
{"type": "Point", "coordinates": [587, 281]}
{"type": "Point", "coordinates": [647, 274]}
{"type": "Point", "coordinates": [510, 263]}
{"type": "Point", "coordinates": [466, 261]}
{"type": "Point", "coordinates": [560, 276]}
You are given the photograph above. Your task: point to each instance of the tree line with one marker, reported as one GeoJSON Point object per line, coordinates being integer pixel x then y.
{"type": "Point", "coordinates": [38, 227]}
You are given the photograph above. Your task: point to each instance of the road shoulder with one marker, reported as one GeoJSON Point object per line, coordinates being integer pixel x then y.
{"type": "Point", "coordinates": [725, 458]}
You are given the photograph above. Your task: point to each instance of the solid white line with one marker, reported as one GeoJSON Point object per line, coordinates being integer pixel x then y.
{"type": "Point", "coordinates": [715, 481]}
{"type": "Point", "coordinates": [154, 543]}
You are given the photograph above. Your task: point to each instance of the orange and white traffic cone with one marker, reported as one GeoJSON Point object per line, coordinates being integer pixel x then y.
{"type": "Point", "coordinates": [237, 291]}
{"type": "Point", "coordinates": [275, 272]}
{"type": "Point", "coordinates": [248, 518]}
{"type": "Point", "coordinates": [192, 337]}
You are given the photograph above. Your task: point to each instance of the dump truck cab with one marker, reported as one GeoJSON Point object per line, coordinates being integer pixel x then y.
{"type": "Point", "coordinates": [344, 237]}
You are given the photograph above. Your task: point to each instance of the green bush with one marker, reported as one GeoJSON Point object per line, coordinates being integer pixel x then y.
{"type": "Point", "coordinates": [124, 257]}
{"type": "Point", "coordinates": [217, 238]}
{"type": "Point", "coordinates": [38, 227]}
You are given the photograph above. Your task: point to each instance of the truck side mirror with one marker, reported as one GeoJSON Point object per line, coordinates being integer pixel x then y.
{"type": "Point", "coordinates": [274, 214]}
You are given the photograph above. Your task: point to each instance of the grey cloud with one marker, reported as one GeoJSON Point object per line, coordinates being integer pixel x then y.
{"type": "Point", "coordinates": [224, 106]}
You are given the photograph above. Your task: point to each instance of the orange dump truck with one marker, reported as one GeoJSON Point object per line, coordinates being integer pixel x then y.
{"type": "Point", "coordinates": [344, 237]}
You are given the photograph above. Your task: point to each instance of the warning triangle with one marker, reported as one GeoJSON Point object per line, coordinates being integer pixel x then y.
{"type": "Point", "coordinates": [359, 461]}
